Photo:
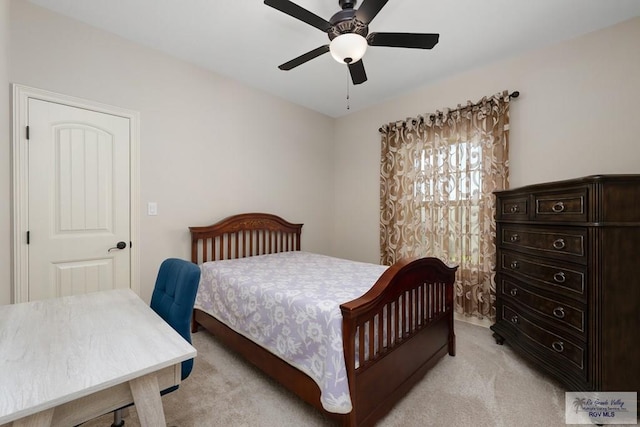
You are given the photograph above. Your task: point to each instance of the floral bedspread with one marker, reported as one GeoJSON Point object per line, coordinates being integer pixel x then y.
{"type": "Point", "coordinates": [289, 303]}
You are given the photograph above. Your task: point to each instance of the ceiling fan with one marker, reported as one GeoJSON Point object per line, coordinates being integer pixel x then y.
{"type": "Point", "coordinates": [348, 31]}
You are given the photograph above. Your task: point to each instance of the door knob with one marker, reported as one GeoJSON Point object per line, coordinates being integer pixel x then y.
{"type": "Point", "coordinates": [119, 245]}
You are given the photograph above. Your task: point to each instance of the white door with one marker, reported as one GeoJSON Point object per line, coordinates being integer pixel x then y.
{"type": "Point", "coordinates": [79, 231]}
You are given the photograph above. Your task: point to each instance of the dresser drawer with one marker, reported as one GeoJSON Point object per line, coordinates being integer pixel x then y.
{"type": "Point", "coordinates": [558, 313]}
{"type": "Point", "coordinates": [568, 205]}
{"type": "Point", "coordinates": [546, 274]}
{"type": "Point", "coordinates": [513, 208]}
{"type": "Point", "coordinates": [564, 243]}
{"type": "Point", "coordinates": [555, 347]}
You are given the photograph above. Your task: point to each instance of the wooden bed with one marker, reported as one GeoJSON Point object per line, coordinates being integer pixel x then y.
{"type": "Point", "coordinates": [389, 371]}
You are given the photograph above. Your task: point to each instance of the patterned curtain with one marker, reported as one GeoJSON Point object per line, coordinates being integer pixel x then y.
{"type": "Point", "coordinates": [437, 176]}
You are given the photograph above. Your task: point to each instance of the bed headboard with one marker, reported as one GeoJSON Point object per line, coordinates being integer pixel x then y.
{"type": "Point", "coordinates": [244, 235]}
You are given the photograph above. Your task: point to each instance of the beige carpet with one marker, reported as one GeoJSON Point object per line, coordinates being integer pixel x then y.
{"type": "Point", "coordinates": [483, 385]}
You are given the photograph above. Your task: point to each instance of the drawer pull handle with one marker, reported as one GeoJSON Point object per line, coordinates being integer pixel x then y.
{"type": "Point", "coordinates": [559, 312]}
{"type": "Point", "coordinates": [558, 346]}
{"type": "Point", "coordinates": [514, 238]}
{"type": "Point", "coordinates": [559, 244]}
{"type": "Point", "coordinates": [513, 292]}
{"type": "Point", "coordinates": [557, 207]}
{"type": "Point", "coordinates": [559, 277]}
{"type": "Point", "coordinates": [514, 209]}
{"type": "Point", "coordinates": [514, 265]}
{"type": "Point", "coordinates": [514, 319]}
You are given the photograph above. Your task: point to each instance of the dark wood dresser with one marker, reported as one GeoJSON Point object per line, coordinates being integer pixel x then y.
{"type": "Point", "coordinates": [568, 279]}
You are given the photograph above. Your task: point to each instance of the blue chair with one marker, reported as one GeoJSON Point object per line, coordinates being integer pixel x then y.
{"type": "Point", "coordinates": [173, 297]}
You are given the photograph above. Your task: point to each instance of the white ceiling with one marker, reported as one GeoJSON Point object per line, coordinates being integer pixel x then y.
{"type": "Point", "coordinates": [247, 40]}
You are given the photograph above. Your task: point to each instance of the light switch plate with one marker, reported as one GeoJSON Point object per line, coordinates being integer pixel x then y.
{"type": "Point", "coordinates": [152, 208]}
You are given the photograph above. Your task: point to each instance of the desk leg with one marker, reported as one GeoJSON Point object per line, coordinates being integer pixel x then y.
{"type": "Point", "coordinates": [41, 419]}
{"type": "Point", "coordinates": [146, 396]}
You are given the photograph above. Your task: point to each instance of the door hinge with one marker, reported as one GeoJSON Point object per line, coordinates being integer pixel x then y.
{"type": "Point", "coordinates": [27, 132]}
{"type": "Point", "coordinates": [28, 237]}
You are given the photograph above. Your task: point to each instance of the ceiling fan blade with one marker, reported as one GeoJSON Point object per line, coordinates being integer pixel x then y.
{"type": "Point", "coordinates": [305, 57]}
{"type": "Point", "coordinates": [412, 40]}
{"type": "Point", "coordinates": [369, 10]}
{"type": "Point", "coordinates": [300, 13]}
{"type": "Point", "coordinates": [358, 75]}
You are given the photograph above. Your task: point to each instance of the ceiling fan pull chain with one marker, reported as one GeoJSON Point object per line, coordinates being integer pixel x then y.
{"type": "Point", "coordinates": [348, 106]}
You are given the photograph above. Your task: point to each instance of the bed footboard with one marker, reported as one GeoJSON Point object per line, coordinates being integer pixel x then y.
{"type": "Point", "coordinates": [395, 332]}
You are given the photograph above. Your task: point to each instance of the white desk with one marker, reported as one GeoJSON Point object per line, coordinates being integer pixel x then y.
{"type": "Point", "coordinates": [66, 360]}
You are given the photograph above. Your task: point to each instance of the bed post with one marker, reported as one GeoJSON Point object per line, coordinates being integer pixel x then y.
{"type": "Point", "coordinates": [194, 259]}
{"type": "Point", "coordinates": [449, 306]}
{"type": "Point", "coordinates": [349, 348]}
{"type": "Point", "coordinates": [194, 324]}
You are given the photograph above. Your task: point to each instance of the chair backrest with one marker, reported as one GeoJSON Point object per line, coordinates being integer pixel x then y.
{"type": "Point", "coordinates": [173, 297]}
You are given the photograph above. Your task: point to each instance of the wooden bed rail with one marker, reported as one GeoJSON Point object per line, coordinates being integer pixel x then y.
{"type": "Point", "coordinates": [244, 235]}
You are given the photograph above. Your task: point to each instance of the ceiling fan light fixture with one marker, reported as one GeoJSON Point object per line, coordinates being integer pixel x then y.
{"type": "Point", "coordinates": [348, 48]}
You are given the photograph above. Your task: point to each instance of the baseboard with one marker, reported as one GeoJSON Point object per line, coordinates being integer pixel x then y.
{"type": "Point", "coordinates": [485, 323]}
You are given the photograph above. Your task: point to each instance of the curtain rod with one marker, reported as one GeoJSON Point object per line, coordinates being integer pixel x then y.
{"type": "Point", "coordinates": [513, 94]}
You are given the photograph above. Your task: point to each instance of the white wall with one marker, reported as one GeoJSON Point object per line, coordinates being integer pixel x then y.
{"type": "Point", "coordinates": [577, 115]}
{"type": "Point", "coordinates": [5, 158]}
{"type": "Point", "coordinates": [210, 147]}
